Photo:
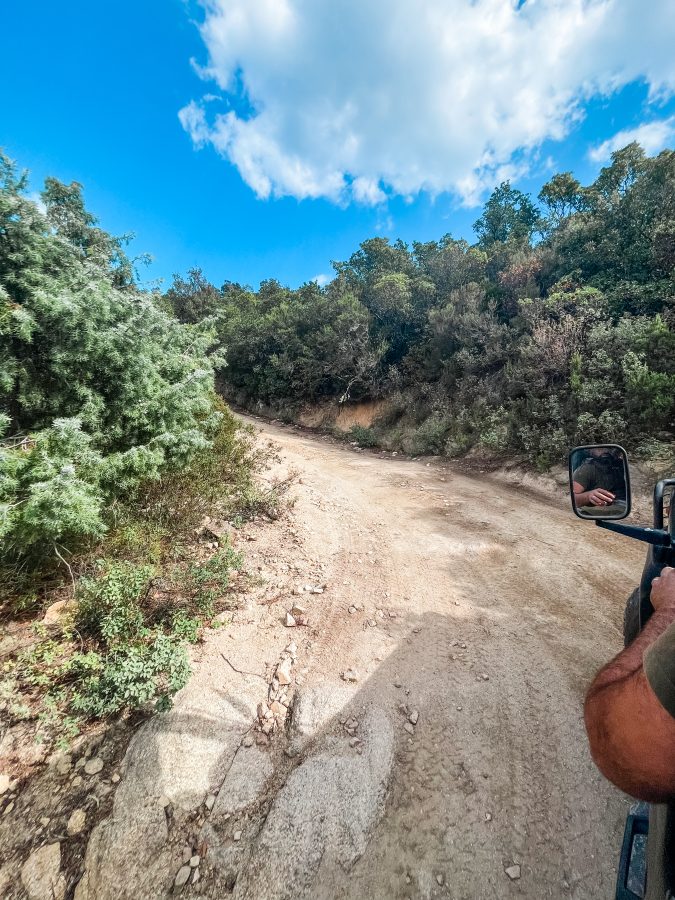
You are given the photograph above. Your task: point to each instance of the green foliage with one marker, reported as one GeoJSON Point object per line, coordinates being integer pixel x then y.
{"type": "Point", "coordinates": [430, 436]}
{"type": "Point", "coordinates": [557, 326]}
{"type": "Point", "coordinates": [109, 606]}
{"type": "Point", "coordinates": [133, 676]}
{"type": "Point", "coordinates": [208, 580]}
{"type": "Point", "coordinates": [364, 437]}
{"type": "Point", "coordinates": [100, 388]}
{"type": "Point", "coordinates": [123, 650]}
{"type": "Point", "coordinates": [509, 215]}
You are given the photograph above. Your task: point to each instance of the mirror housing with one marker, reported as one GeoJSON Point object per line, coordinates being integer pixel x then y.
{"type": "Point", "coordinates": [599, 482]}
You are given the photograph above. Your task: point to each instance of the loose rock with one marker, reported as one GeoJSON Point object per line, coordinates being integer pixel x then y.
{"type": "Point", "coordinates": [61, 763]}
{"type": "Point", "coordinates": [409, 728]}
{"type": "Point", "coordinates": [283, 672]}
{"type": "Point", "coordinates": [289, 621]}
{"type": "Point", "coordinates": [182, 876]}
{"type": "Point", "coordinates": [4, 784]}
{"type": "Point", "coordinates": [93, 766]}
{"type": "Point", "coordinates": [513, 872]}
{"type": "Point", "coordinates": [57, 611]}
{"type": "Point", "coordinates": [350, 675]}
{"type": "Point", "coordinates": [76, 822]}
{"type": "Point", "coordinates": [414, 717]}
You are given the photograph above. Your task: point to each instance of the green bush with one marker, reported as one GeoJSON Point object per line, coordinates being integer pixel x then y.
{"type": "Point", "coordinates": [100, 388]}
{"type": "Point", "coordinates": [131, 677]}
{"type": "Point", "coordinates": [364, 437]}
{"type": "Point", "coordinates": [431, 435]}
{"type": "Point", "coordinates": [109, 604]}
{"type": "Point", "coordinates": [205, 582]}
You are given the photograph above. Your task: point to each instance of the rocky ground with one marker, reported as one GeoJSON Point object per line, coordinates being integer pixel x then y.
{"type": "Point", "coordinates": [394, 711]}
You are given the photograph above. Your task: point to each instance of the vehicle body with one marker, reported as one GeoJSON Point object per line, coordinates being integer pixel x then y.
{"type": "Point", "coordinates": [660, 540]}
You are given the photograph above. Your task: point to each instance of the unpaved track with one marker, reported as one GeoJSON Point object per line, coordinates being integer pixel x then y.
{"type": "Point", "coordinates": [480, 579]}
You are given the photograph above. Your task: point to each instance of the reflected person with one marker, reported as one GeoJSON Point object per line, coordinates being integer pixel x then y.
{"type": "Point", "coordinates": [600, 481]}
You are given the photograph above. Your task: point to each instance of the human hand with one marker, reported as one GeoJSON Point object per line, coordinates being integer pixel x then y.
{"type": "Point", "coordinates": [663, 589]}
{"type": "Point", "coordinates": [600, 497]}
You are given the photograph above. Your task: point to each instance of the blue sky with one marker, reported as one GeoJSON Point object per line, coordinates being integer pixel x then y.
{"type": "Point", "coordinates": [312, 130]}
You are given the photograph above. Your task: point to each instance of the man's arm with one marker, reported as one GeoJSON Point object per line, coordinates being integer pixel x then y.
{"type": "Point", "coordinates": [593, 497]}
{"type": "Point", "coordinates": [631, 734]}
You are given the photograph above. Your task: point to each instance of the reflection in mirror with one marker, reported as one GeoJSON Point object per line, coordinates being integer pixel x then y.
{"type": "Point", "coordinates": [599, 482]}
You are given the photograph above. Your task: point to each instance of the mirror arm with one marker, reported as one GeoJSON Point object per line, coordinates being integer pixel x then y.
{"type": "Point", "coordinates": [655, 536]}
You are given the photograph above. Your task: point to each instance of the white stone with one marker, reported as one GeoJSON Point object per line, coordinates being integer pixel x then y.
{"type": "Point", "coordinates": [513, 872]}
{"type": "Point", "coordinates": [76, 822]}
{"type": "Point", "coordinates": [183, 875]}
{"type": "Point", "coordinates": [283, 672]}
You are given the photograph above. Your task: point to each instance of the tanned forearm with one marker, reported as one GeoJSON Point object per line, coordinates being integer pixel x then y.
{"type": "Point", "coordinates": [629, 661]}
{"type": "Point", "coordinates": [630, 734]}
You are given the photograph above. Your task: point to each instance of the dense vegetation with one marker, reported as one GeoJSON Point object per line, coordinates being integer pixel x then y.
{"type": "Point", "coordinates": [555, 327]}
{"type": "Point", "coordinates": [113, 446]}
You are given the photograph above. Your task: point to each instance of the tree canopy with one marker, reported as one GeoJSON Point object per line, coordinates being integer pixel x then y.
{"type": "Point", "coordinates": [555, 327]}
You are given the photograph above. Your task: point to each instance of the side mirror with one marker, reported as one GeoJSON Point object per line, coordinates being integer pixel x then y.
{"type": "Point", "coordinates": [599, 482]}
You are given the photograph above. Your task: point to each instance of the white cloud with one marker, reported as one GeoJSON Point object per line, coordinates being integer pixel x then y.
{"type": "Point", "coordinates": [361, 99]}
{"type": "Point", "coordinates": [322, 279]}
{"type": "Point", "coordinates": [652, 136]}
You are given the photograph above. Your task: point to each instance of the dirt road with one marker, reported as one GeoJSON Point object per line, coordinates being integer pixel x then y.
{"type": "Point", "coordinates": [467, 617]}
{"type": "Point", "coordinates": [505, 606]}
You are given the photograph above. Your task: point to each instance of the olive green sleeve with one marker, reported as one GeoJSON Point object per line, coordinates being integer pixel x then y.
{"type": "Point", "coordinates": [585, 476]}
{"type": "Point", "coordinates": [659, 667]}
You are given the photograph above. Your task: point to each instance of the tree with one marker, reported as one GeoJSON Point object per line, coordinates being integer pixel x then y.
{"type": "Point", "coordinates": [562, 196]}
{"type": "Point", "coordinates": [194, 298]}
{"type": "Point", "coordinates": [508, 215]}
{"type": "Point", "coordinates": [100, 388]}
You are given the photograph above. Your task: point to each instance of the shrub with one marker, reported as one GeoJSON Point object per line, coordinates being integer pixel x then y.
{"type": "Point", "coordinates": [364, 437]}
{"type": "Point", "coordinates": [101, 388]}
{"type": "Point", "coordinates": [431, 435]}
{"type": "Point", "coordinates": [109, 607]}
